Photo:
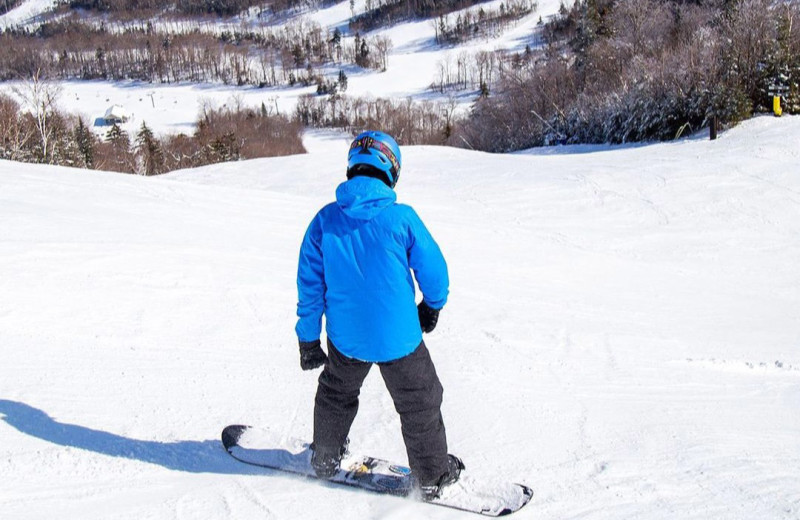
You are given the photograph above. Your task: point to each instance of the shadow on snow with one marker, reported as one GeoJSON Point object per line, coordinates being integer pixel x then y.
{"type": "Point", "coordinates": [190, 456]}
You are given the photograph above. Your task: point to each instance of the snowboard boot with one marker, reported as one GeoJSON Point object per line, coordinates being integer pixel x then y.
{"type": "Point", "coordinates": [325, 461]}
{"type": "Point", "coordinates": [432, 490]}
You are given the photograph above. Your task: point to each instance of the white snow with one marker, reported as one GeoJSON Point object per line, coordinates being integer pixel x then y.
{"type": "Point", "coordinates": [167, 109]}
{"type": "Point", "coordinates": [25, 13]}
{"type": "Point", "coordinates": [413, 65]}
{"type": "Point", "coordinates": [623, 332]}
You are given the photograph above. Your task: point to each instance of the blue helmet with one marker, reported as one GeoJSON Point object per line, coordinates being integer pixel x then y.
{"type": "Point", "coordinates": [376, 149]}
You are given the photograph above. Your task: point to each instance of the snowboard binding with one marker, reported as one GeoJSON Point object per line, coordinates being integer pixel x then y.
{"type": "Point", "coordinates": [431, 491]}
{"type": "Point", "coordinates": [325, 461]}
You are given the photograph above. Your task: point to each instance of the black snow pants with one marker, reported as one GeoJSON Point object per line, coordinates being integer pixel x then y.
{"type": "Point", "coordinates": [417, 394]}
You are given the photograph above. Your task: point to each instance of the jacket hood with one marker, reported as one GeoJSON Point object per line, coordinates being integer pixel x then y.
{"type": "Point", "coordinates": [364, 197]}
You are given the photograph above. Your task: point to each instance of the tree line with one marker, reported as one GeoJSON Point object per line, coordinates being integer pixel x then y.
{"type": "Point", "coordinates": [410, 122]}
{"type": "Point", "coordinates": [470, 71]}
{"type": "Point", "coordinates": [381, 13]}
{"type": "Point", "coordinates": [188, 7]}
{"type": "Point", "coordinates": [74, 48]}
{"type": "Point", "coordinates": [481, 22]}
{"type": "Point", "coordinates": [608, 71]}
{"type": "Point", "coordinates": [32, 129]}
{"type": "Point", "coordinates": [615, 71]}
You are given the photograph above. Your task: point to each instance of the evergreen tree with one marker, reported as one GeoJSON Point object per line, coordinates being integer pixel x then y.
{"type": "Point", "coordinates": [120, 158]}
{"type": "Point", "coordinates": [149, 152]}
{"type": "Point", "coordinates": [362, 51]}
{"type": "Point", "coordinates": [118, 137]}
{"type": "Point", "coordinates": [224, 148]}
{"type": "Point", "coordinates": [484, 89]}
{"type": "Point", "coordinates": [85, 143]}
{"type": "Point", "coordinates": [336, 42]}
{"type": "Point", "coordinates": [363, 54]}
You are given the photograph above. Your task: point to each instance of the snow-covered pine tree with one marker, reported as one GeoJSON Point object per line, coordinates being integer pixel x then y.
{"type": "Point", "coordinates": [84, 140]}
{"type": "Point", "coordinates": [150, 156]}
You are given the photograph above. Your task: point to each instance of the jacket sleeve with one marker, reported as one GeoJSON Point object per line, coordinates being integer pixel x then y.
{"type": "Point", "coordinates": [426, 260]}
{"type": "Point", "coordinates": [310, 284]}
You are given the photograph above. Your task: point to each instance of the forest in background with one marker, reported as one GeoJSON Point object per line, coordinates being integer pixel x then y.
{"type": "Point", "coordinates": [615, 71]}
{"type": "Point", "coordinates": [36, 131]}
{"type": "Point", "coordinates": [607, 71]}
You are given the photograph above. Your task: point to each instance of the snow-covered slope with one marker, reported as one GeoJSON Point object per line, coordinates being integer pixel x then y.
{"type": "Point", "coordinates": [25, 13]}
{"type": "Point", "coordinates": [413, 65]}
{"type": "Point", "coordinates": [623, 332]}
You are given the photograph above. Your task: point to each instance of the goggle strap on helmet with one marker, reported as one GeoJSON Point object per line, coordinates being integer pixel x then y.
{"type": "Point", "coordinates": [367, 142]}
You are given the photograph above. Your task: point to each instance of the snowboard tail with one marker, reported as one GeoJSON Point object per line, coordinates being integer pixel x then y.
{"type": "Point", "coordinates": [264, 448]}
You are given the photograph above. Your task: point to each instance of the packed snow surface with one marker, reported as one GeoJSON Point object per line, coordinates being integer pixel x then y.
{"type": "Point", "coordinates": [623, 331]}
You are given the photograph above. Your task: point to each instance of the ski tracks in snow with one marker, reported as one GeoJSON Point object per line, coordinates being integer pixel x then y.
{"type": "Point", "coordinates": [569, 375]}
{"type": "Point", "coordinates": [203, 503]}
{"type": "Point", "coordinates": [774, 368]}
{"type": "Point", "coordinates": [231, 499]}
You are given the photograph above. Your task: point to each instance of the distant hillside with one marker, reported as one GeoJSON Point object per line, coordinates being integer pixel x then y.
{"type": "Point", "coordinates": [376, 13]}
{"type": "Point", "coordinates": [497, 76]}
{"type": "Point", "coordinates": [268, 44]}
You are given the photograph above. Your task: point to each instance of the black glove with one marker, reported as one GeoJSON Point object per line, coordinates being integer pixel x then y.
{"type": "Point", "coordinates": [427, 317]}
{"type": "Point", "coordinates": [311, 355]}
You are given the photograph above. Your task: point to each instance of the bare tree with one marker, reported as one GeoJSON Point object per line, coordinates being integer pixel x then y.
{"type": "Point", "coordinates": [15, 134]}
{"type": "Point", "coordinates": [39, 98]}
{"type": "Point", "coordinates": [383, 45]}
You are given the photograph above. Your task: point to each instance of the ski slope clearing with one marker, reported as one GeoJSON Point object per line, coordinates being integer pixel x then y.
{"type": "Point", "coordinates": [622, 334]}
{"type": "Point", "coordinates": [26, 13]}
{"type": "Point", "coordinates": [414, 64]}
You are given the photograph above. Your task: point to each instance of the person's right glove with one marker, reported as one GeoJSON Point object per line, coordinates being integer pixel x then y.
{"type": "Point", "coordinates": [311, 355]}
{"type": "Point", "coordinates": [427, 317]}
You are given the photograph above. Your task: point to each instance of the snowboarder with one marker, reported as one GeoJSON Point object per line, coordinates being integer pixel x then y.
{"type": "Point", "coordinates": [355, 268]}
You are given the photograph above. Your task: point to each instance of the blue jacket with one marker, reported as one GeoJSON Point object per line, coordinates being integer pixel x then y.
{"type": "Point", "coordinates": [355, 267]}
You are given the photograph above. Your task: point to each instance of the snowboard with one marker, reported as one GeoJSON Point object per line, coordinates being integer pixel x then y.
{"type": "Point", "coordinates": [262, 447]}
